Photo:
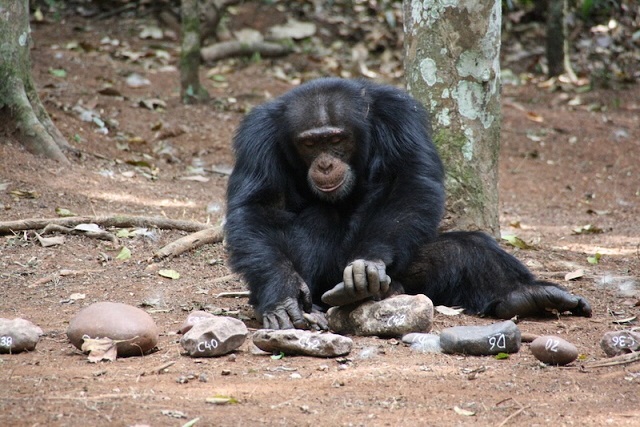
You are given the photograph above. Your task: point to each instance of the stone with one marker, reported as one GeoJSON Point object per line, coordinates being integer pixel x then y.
{"type": "Point", "coordinates": [302, 342]}
{"type": "Point", "coordinates": [134, 330]}
{"type": "Point", "coordinates": [553, 350]}
{"type": "Point", "coordinates": [390, 317]}
{"type": "Point", "coordinates": [213, 337]}
{"type": "Point", "coordinates": [193, 318]}
{"type": "Point", "coordinates": [423, 343]}
{"type": "Point", "coordinates": [18, 335]}
{"type": "Point", "coordinates": [615, 343]}
{"type": "Point", "coordinates": [501, 337]}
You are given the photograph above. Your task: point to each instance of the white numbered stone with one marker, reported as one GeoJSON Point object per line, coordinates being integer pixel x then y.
{"type": "Point", "coordinates": [193, 318]}
{"type": "Point", "coordinates": [615, 343]}
{"type": "Point", "coordinates": [553, 350]}
{"type": "Point", "coordinates": [18, 335]}
{"type": "Point", "coordinates": [215, 336]}
{"type": "Point", "coordinates": [501, 337]}
{"type": "Point", "coordinates": [298, 341]}
{"type": "Point", "coordinates": [132, 326]}
{"type": "Point", "coordinates": [390, 317]}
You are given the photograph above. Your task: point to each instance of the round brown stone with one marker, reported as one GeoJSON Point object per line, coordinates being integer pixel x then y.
{"type": "Point", "coordinates": [119, 322]}
{"type": "Point", "coordinates": [553, 350]}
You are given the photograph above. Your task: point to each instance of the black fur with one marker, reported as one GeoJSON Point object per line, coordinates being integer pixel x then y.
{"type": "Point", "coordinates": [281, 236]}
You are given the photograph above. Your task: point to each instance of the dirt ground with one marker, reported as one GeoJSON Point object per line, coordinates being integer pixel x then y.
{"type": "Point", "coordinates": [568, 159]}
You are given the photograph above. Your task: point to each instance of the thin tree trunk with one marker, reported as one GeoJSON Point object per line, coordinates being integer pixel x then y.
{"type": "Point", "coordinates": [452, 66]}
{"type": "Point", "coordinates": [24, 115]}
{"type": "Point", "coordinates": [191, 89]}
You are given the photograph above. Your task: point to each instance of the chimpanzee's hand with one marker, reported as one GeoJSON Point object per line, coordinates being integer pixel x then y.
{"type": "Point", "coordinates": [289, 312]}
{"type": "Point", "coordinates": [362, 279]}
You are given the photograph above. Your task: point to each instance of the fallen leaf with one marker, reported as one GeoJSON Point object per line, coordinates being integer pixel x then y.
{"type": "Point", "coordinates": [191, 423]}
{"type": "Point", "coordinates": [221, 400]}
{"type": "Point", "coordinates": [594, 259]}
{"type": "Point", "coordinates": [574, 275]}
{"type": "Point", "coordinates": [88, 227]}
{"type": "Point", "coordinates": [534, 117]}
{"type": "Point", "coordinates": [58, 72]}
{"type": "Point", "coordinates": [516, 241]}
{"type": "Point", "coordinates": [449, 311]}
{"type": "Point", "coordinates": [64, 212]}
{"type": "Point", "coordinates": [464, 412]}
{"type": "Point", "coordinates": [125, 254]}
{"type": "Point", "coordinates": [587, 229]}
{"type": "Point", "coordinates": [77, 296]}
{"type": "Point", "coordinates": [173, 413]}
{"type": "Point", "coordinates": [170, 274]}
{"type": "Point", "coordinates": [198, 178]}
{"type": "Point", "coordinates": [100, 349]}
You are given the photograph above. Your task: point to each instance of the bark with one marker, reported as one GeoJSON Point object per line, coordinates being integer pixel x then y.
{"type": "Point", "coordinates": [452, 66]}
{"type": "Point", "coordinates": [235, 48]}
{"type": "Point", "coordinates": [23, 115]}
{"type": "Point", "coordinates": [190, 88]}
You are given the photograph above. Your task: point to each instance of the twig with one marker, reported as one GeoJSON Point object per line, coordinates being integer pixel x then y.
{"type": "Point", "coordinates": [118, 221]}
{"type": "Point", "coordinates": [102, 235]}
{"type": "Point", "coordinates": [622, 359]}
{"type": "Point", "coordinates": [158, 369]}
{"type": "Point", "coordinates": [191, 241]}
{"type": "Point", "coordinates": [239, 294]}
{"type": "Point", "coordinates": [515, 414]}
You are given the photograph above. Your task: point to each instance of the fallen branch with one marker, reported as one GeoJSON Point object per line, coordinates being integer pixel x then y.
{"type": "Point", "coordinates": [118, 221]}
{"type": "Point", "coordinates": [102, 235]}
{"type": "Point", "coordinates": [236, 48]}
{"type": "Point", "coordinates": [622, 359]}
{"type": "Point", "coordinates": [191, 241]}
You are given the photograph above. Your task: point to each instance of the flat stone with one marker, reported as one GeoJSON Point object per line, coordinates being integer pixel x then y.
{"type": "Point", "coordinates": [133, 328]}
{"type": "Point", "coordinates": [501, 337]}
{"type": "Point", "coordinates": [215, 336]}
{"type": "Point", "coordinates": [301, 342]}
{"type": "Point", "coordinates": [423, 343]}
{"type": "Point", "coordinates": [18, 335]}
{"type": "Point", "coordinates": [615, 343]}
{"type": "Point", "coordinates": [390, 317]}
{"type": "Point", "coordinates": [553, 350]}
{"type": "Point", "coordinates": [193, 318]}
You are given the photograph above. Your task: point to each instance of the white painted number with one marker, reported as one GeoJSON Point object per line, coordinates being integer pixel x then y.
{"type": "Point", "coordinates": [498, 340]}
{"type": "Point", "coordinates": [207, 345]}
{"type": "Point", "coordinates": [552, 345]}
{"type": "Point", "coordinates": [6, 341]}
{"type": "Point", "coordinates": [623, 342]}
{"type": "Point", "coordinates": [397, 320]}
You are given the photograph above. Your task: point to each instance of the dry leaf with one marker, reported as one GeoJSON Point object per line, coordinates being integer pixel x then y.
{"type": "Point", "coordinates": [574, 275]}
{"type": "Point", "coordinates": [100, 349]}
{"type": "Point", "coordinates": [449, 311]}
{"type": "Point", "coordinates": [50, 241]}
{"type": "Point", "coordinates": [534, 117]}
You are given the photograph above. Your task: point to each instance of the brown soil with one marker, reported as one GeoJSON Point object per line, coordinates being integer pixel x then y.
{"type": "Point", "coordinates": [577, 166]}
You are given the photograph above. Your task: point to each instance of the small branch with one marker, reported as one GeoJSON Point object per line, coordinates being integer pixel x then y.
{"type": "Point", "coordinates": [102, 235]}
{"type": "Point", "coordinates": [238, 294]}
{"type": "Point", "coordinates": [622, 359]}
{"type": "Point", "coordinates": [191, 241]}
{"type": "Point", "coordinates": [235, 48]}
{"type": "Point", "coordinates": [117, 221]}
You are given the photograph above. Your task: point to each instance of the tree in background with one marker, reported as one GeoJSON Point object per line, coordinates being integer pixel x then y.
{"type": "Point", "coordinates": [452, 66]}
{"type": "Point", "coordinates": [22, 114]}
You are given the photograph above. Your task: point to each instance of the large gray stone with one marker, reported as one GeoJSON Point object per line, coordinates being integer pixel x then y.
{"type": "Point", "coordinates": [133, 328]}
{"type": "Point", "coordinates": [18, 335]}
{"type": "Point", "coordinates": [298, 341]}
{"type": "Point", "coordinates": [502, 337]}
{"type": "Point", "coordinates": [390, 317]}
{"type": "Point", "coordinates": [615, 343]}
{"type": "Point", "coordinates": [216, 336]}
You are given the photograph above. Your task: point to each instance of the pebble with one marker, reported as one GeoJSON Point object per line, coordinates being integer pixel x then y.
{"type": "Point", "coordinates": [18, 335]}
{"type": "Point", "coordinates": [132, 326]}
{"type": "Point", "coordinates": [216, 336]}
{"type": "Point", "coordinates": [553, 350]}
{"type": "Point", "coordinates": [390, 317]}
{"type": "Point", "coordinates": [298, 341]}
{"type": "Point", "coordinates": [193, 318]}
{"type": "Point", "coordinates": [501, 337]}
{"type": "Point", "coordinates": [423, 343]}
{"type": "Point", "coordinates": [615, 343]}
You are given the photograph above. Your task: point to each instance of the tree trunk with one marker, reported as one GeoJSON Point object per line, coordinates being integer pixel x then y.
{"type": "Point", "coordinates": [452, 65]}
{"type": "Point", "coordinates": [191, 89]}
{"type": "Point", "coordinates": [555, 38]}
{"type": "Point", "coordinates": [21, 111]}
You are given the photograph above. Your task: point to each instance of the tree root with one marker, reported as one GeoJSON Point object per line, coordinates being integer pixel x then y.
{"type": "Point", "coordinates": [188, 242]}
{"type": "Point", "coordinates": [622, 359]}
{"type": "Point", "coordinates": [118, 221]}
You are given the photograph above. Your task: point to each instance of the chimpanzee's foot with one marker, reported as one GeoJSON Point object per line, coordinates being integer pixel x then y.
{"type": "Point", "coordinates": [537, 300]}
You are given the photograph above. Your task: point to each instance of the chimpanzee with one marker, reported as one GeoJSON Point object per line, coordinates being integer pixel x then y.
{"type": "Point", "coordinates": [336, 197]}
